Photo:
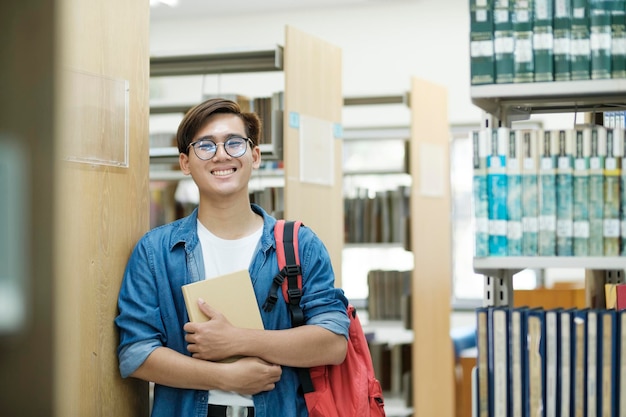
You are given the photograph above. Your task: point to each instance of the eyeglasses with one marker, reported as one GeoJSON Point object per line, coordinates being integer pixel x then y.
{"type": "Point", "coordinates": [234, 146]}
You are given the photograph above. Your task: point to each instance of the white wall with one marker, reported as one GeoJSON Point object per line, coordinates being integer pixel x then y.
{"type": "Point", "coordinates": [384, 44]}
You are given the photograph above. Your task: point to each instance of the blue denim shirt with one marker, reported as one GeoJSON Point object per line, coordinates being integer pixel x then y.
{"type": "Point", "coordinates": [152, 310]}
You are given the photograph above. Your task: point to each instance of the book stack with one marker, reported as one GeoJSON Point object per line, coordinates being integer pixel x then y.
{"type": "Point", "coordinates": [517, 41]}
{"type": "Point", "coordinates": [552, 362]}
{"type": "Point", "coordinates": [549, 192]}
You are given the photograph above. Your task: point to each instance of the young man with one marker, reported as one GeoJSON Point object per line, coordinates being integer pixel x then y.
{"type": "Point", "coordinates": [218, 147]}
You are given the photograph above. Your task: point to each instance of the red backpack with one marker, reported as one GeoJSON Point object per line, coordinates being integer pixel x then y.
{"type": "Point", "coordinates": [346, 390]}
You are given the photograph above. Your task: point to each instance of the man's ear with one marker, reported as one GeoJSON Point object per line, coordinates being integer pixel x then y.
{"type": "Point", "coordinates": [256, 157]}
{"type": "Point", "coordinates": [183, 160]}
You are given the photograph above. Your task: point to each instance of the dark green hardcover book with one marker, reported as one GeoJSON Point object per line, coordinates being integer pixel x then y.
{"type": "Point", "coordinates": [596, 191]}
{"type": "Point", "coordinates": [562, 33]}
{"type": "Point", "coordinates": [565, 193]}
{"type": "Point", "coordinates": [482, 65]}
{"type": "Point", "coordinates": [618, 39]}
{"type": "Point", "coordinates": [600, 38]}
{"type": "Point", "coordinates": [524, 67]}
{"type": "Point", "coordinates": [580, 49]}
{"type": "Point", "coordinates": [612, 199]}
{"type": "Point", "coordinates": [504, 45]}
{"type": "Point", "coordinates": [543, 40]}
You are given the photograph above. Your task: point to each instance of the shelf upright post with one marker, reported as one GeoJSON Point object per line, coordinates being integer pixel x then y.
{"type": "Point", "coordinates": [498, 288]}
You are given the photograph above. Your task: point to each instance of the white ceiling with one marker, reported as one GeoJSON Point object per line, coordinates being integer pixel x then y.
{"type": "Point", "coordinates": [194, 8]}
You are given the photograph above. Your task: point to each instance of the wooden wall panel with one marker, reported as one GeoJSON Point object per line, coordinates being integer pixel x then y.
{"type": "Point", "coordinates": [433, 356]}
{"type": "Point", "coordinates": [101, 209]}
{"type": "Point", "coordinates": [313, 87]}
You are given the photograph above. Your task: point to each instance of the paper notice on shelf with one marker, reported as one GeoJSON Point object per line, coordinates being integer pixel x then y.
{"type": "Point", "coordinates": [317, 156]}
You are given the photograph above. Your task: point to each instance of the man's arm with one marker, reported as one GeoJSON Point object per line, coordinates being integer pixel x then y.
{"type": "Point", "coordinates": [304, 346]}
{"type": "Point", "coordinates": [246, 376]}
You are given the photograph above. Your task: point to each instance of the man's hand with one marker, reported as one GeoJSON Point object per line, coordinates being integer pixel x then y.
{"type": "Point", "coordinates": [213, 340]}
{"type": "Point", "coordinates": [249, 376]}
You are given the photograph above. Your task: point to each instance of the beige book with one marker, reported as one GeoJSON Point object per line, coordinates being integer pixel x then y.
{"type": "Point", "coordinates": [230, 294]}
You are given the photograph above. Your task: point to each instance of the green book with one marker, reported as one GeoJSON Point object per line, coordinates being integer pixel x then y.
{"type": "Point", "coordinates": [565, 194]}
{"type": "Point", "coordinates": [482, 65]}
{"type": "Point", "coordinates": [562, 32]}
{"type": "Point", "coordinates": [543, 40]}
{"type": "Point", "coordinates": [530, 197]}
{"type": "Point", "coordinates": [596, 191]}
{"type": "Point", "coordinates": [580, 49]}
{"type": "Point", "coordinates": [581, 191]}
{"type": "Point", "coordinates": [504, 45]}
{"type": "Point", "coordinates": [612, 199]}
{"type": "Point", "coordinates": [524, 67]}
{"type": "Point", "coordinates": [514, 194]}
{"type": "Point", "coordinates": [618, 39]}
{"type": "Point", "coordinates": [479, 189]}
{"type": "Point", "coordinates": [600, 38]}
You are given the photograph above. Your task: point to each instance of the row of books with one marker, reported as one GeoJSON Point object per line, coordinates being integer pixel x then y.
{"type": "Point", "coordinates": [515, 41]}
{"type": "Point", "coordinates": [549, 192]}
{"type": "Point", "coordinates": [551, 363]}
{"type": "Point", "coordinates": [377, 217]}
{"type": "Point", "coordinates": [388, 294]}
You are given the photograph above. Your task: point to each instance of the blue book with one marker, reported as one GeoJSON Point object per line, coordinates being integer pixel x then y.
{"type": "Point", "coordinates": [547, 194]}
{"type": "Point", "coordinates": [596, 191]}
{"type": "Point", "coordinates": [518, 383]}
{"type": "Point", "coordinates": [536, 361]}
{"type": "Point", "coordinates": [581, 191]}
{"type": "Point", "coordinates": [480, 196]}
{"type": "Point", "coordinates": [565, 194]}
{"type": "Point", "coordinates": [497, 191]}
{"type": "Point", "coordinates": [514, 194]}
{"type": "Point", "coordinates": [530, 194]}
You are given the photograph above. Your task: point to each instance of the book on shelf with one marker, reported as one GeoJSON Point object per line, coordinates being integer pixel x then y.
{"type": "Point", "coordinates": [620, 297]}
{"type": "Point", "coordinates": [518, 347]}
{"type": "Point", "coordinates": [596, 190]}
{"type": "Point", "coordinates": [600, 38]}
{"type": "Point", "coordinates": [536, 333]}
{"type": "Point", "coordinates": [565, 193]}
{"type": "Point", "coordinates": [547, 193]}
{"type": "Point", "coordinates": [621, 370]}
{"type": "Point", "coordinates": [514, 194]}
{"type": "Point", "coordinates": [499, 368]}
{"type": "Point", "coordinates": [504, 45]}
{"type": "Point", "coordinates": [579, 333]}
{"type": "Point", "coordinates": [618, 39]}
{"type": "Point", "coordinates": [524, 69]}
{"type": "Point", "coordinates": [565, 368]}
{"type": "Point", "coordinates": [562, 32]}
{"type": "Point", "coordinates": [591, 358]}
{"type": "Point", "coordinates": [612, 197]}
{"type": "Point", "coordinates": [530, 193]}
{"type": "Point", "coordinates": [482, 60]}
{"type": "Point", "coordinates": [580, 49]}
{"type": "Point", "coordinates": [552, 360]}
{"type": "Point", "coordinates": [480, 196]}
{"type": "Point", "coordinates": [482, 361]}
{"type": "Point", "coordinates": [607, 363]}
{"type": "Point", "coordinates": [581, 191]}
{"type": "Point", "coordinates": [543, 40]}
{"type": "Point", "coordinates": [497, 191]}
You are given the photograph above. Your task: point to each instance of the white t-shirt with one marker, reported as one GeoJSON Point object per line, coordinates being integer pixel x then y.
{"type": "Point", "coordinates": [222, 256]}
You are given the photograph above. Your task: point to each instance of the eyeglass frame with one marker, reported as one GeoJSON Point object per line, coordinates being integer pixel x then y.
{"type": "Point", "coordinates": [205, 139]}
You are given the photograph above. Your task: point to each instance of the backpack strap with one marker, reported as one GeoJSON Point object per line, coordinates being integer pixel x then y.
{"type": "Point", "coordinates": [289, 278]}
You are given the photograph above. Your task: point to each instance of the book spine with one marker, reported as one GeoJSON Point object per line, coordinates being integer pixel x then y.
{"type": "Point", "coordinates": [482, 65]}
{"type": "Point", "coordinates": [618, 39]}
{"type": "Point", "coordinates": [552, 334]}
{"type": "Point", "coordinates": [482, 361]}
{"type": "Point", "coordinates": [543, 40]}
{"type": "Point", "coordinates": [596, 191]}
{"type": "Point", "coordinates": [504, 45]}
{"type": "Point", "coordinates": [591, 387]}
{"type": "Point", "coordinates": [612, 198]}
{"type": "Point", "coordinates": [565, 363]}
{"type": "Point", "coordinates": [565, 194]}
{"type": "Point", "coordinates": [497, 192]}
{"type": "Point", "coordinates": [481, 201]}
{"type": "Point", "coordinates": [547, 196]}
{"type": "Point", "coordinates": [514, 195]}
{"type": "Point", "coordinates": [581, 192]}
{"type": "Point", "coordinates": [580, 49]}
{"type": "Point", "coordinates": [562, 34]}
{"type": "Point", "coordinates": [600, 38]}
{"type": "Point", "coordinates": [530, 195]}
{"type": "Point", "coordinates": [524, 68]}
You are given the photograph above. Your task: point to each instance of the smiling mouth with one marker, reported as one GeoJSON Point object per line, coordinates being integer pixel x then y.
{"type": "Point", "coordinates": [223, 172]}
